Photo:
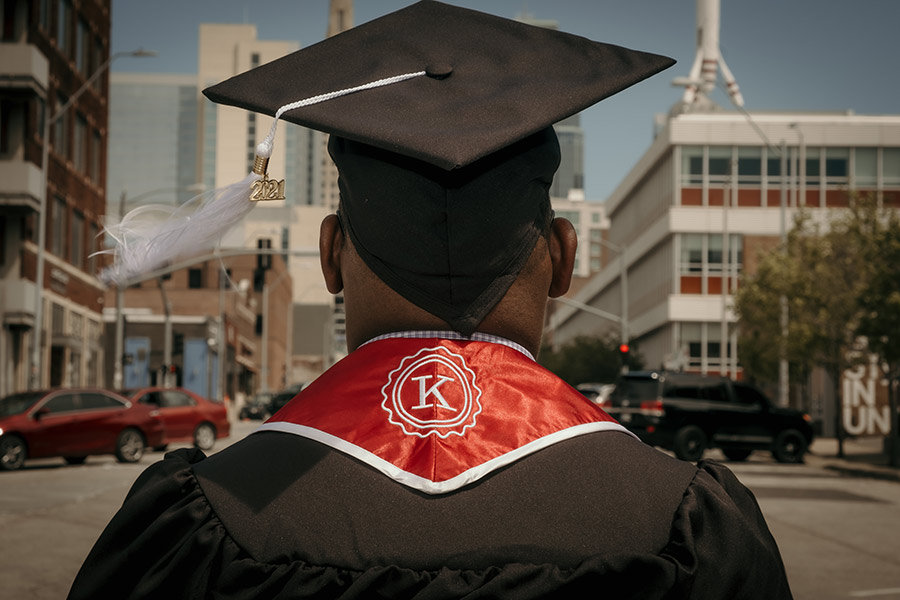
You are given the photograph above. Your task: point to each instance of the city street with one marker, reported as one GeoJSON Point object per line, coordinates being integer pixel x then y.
{"type": "Point", "coordinates": [838, 534]}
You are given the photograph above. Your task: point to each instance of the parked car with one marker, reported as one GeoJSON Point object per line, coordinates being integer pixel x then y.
{"type": "Point", "coordinates": [598, 393]}
{"type": "Point", "coordinates": [186, 416]}
{"type": "Point", "coordinates": [259, 407]}
{"type": "Point", "coordinates": [689, 413]}
{"type": "Point", "coordinates": [284, 396]}
{"type": "Point", "coordinates": [74, 423]}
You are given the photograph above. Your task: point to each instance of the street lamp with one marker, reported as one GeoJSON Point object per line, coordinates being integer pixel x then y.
{"type": "Point", "coordinates": [35, 379]}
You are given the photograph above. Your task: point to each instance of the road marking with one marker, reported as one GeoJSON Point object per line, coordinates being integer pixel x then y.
{"type": "Point", "coordinates": [868, 593]}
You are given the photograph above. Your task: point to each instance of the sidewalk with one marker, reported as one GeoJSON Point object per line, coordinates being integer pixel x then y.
{"type": "Point", "coordinates": [863, 457]}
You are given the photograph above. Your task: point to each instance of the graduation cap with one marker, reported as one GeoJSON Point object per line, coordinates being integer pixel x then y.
{"type": "Point", "coordinates": [440, 120]}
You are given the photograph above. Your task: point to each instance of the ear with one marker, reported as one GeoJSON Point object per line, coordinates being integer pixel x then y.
{"type": "Point", "coordinates": [331, 242]}
{"type": "Point", "coordinates": [563, 245]}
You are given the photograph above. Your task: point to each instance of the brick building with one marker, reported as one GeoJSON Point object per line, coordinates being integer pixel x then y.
{"type": "Point", "coordinates": [48, 53]}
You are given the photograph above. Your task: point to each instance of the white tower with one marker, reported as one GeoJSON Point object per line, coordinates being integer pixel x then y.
{"type": "Point", "coordinates": [702, 79]}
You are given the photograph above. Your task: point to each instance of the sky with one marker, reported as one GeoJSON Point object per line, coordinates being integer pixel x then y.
{"type": "Point", "coordinates": [803, 55]}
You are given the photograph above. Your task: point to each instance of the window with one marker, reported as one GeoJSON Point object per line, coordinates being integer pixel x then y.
{"type": "Point", "coordinates": [692, 165]}
{"type": "Point", "coordinates": [61, 403]}
{"type": "Point", "coordinates": [76, 240]}
{"type": "Point", "coordinates": [57, 319]}
{"type": "Point", "coordinates": [64, 27]}
{"type": "Point", "coordinates": [748, 395]}
{"type": "Point", "coordinates": [891, 167]}
{"type": "Point", "coordinates": [12, 117]}
{"type": "Point", "coordinates": [61, 129]}
{"type": "Point", "coordinates": [750, 165]}
{"type": "Point", "coordinates": [96, 157]}
{"type": "Point", "coordinates": [82, 47]}
{"type": "Point", "coordinates": [714, 253]}
{"type": "Point", "coordinates": [58, 231]}
{"type": "Point", "coordinates": [172, 398]}
{"type": "Point", "coordinates": [865, 167]}
{"type": "Point", "coordinates": [79, 144]}
{"type": "Point", "coordinates": [97, 59]}
{"type": "Point", "coordinates": [195, 278]}
{"type": "Point", "coordinates": [837, 164]}
{"type": "Point", "coordinates": [691, 252]}
{"type": "Point", "coordinates": [813, 168]}
{"type": "Point", "coordinates": [719, 163]}
{"type": "Point", "coordinates": [44, 16]}
{"type": "Point", "coordinates": [96, 400]}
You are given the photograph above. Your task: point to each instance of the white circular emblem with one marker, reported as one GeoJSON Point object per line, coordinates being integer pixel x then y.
{"type": "Point", "coordinates": [432, 393]}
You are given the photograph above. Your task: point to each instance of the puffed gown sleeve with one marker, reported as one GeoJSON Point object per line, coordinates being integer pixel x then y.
{"type": "Point", "coordinates": [720, 543]}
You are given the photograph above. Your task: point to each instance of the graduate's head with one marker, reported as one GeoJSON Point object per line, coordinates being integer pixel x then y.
{"type": "Point", "coordinates": [445, 164]}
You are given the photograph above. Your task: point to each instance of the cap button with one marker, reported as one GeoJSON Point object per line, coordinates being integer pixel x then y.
{"type": "Point", "coordinates": [438, 70]}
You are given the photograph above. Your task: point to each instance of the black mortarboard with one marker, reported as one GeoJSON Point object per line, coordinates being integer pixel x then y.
{"type": "Point", "coordinates": [444, 176]}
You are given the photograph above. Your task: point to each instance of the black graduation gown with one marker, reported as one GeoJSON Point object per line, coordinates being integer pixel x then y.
{"type": "Point", "coordinates": [280, 516]}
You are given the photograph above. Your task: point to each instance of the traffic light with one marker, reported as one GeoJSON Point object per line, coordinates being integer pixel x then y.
{"type": "Point", "coordinates": [623, 356]}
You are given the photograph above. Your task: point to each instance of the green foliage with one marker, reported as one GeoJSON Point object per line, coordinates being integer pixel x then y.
{"type": "Point", "coordinates": [880, 297]}
{"type": "Point", "coordinates": [841, 280]}
{"type": "Point", "coordinates": [589, 359]}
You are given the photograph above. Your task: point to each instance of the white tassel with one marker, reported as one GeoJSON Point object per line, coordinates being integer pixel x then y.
{"type": "Point", "coordinates": [155, 235]}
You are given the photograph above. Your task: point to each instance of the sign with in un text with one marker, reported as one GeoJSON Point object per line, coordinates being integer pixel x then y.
{"type": "Point", "coordinates": [865, 400]}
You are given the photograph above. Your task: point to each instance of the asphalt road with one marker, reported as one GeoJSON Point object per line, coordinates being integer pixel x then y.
{"type": "Point", "coordinates": [838, 535]}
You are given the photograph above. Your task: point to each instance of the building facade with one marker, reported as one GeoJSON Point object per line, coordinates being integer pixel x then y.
{"type": "Point", "coordinates": [53, 59]}
{"type": "Point", "coordinates": [713, 191]}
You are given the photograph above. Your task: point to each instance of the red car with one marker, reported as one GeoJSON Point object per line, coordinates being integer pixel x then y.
{"type": "Point", "coordinates": [74, 423]}
{"type": "Point", "coordinates": [186, 416]}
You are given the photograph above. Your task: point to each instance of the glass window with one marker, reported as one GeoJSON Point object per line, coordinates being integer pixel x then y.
{"type": "Point", "coordinates": [691, 252]}
{"type": "Point", "coordinates": [195, 278]}
{"type": "Point", "coordinates": [82, 47]}
{"type": "Point", "coordinates": [736, 250]}
{"type": "Point", "coordinates": [97, 59]}
{"type": "Point", "coordinates": [746, 394]}
{"type": "Point", "coordinates": [76, 237]}
{"type": "Point", "coordinates": [61, 129]}
{"type": "Point", "coordinates": [61, 403]}
{"type": "Point", "coordinates": [63, 27]}
{"type": "Point", "coordinates": [865, 166]}
{"type": "Point", "coordinates": [692, 164]}
{"type": "Point", "coordinates": [98, 400]}
{"type": "Point", "coordinates": [79, 144]}
{"type": "Point", "coordinates": [714, 252]}
{"type": "Point", "coordinates": [691, 339]}
{"type": "Point", "coordinates": [837, 163]}
{"type": "Point", "coordinates": [58, 231]}
{"type": "Point", "coordinates": [749, 165]}
{"type": "Point", "coordinates": [813, 170]}
{"type": "Point", "coordinates": [44, 17]}
{"type": "Point", "coordinates": [96, 157]}
{"type": "Point", "coordinates": [719, 163]}
{"type": "Point", "coordinates": [172, 398]}
{"type": "Point", "coordinates": [891, 166]}
{"type": "Point", "coordinates": [57, 319]}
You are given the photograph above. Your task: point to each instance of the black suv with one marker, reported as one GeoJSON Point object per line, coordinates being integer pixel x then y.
{"type": "Point", "coordinates": [689, 413]}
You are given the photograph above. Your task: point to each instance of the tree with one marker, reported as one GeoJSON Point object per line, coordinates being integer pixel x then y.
{"type": "Point", "coordinates": [821, 273]}
{"type": "Point", "coordinates": [880, 303]}
{"type": "Point", "coordinates": [589, 359]}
